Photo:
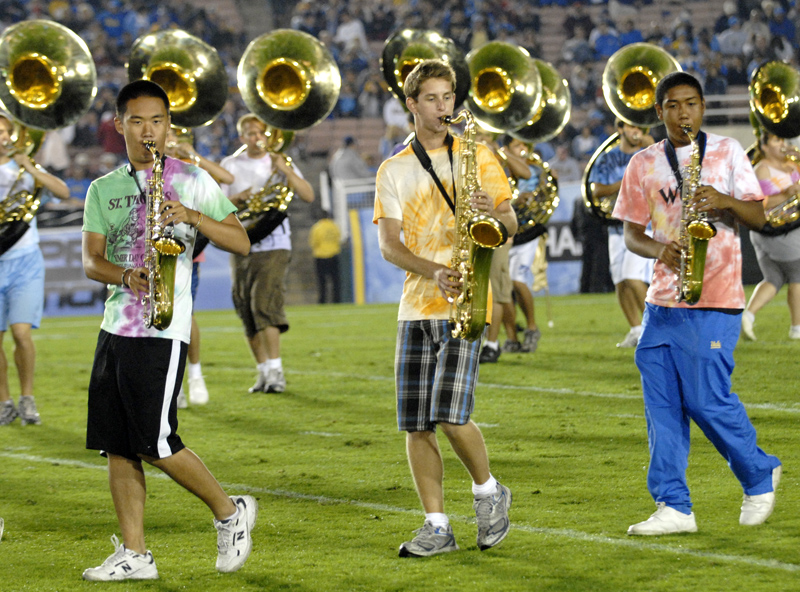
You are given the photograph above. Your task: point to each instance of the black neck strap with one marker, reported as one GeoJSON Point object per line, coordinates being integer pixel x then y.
{"type": "Point", "coordinates": [425, 161]}
{"type": "Point", "coordinates": [132, 173]}
{"type": "Point", "coordinates": [672, 157]}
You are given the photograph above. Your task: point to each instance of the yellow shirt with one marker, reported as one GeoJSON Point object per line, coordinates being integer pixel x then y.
{"type": "Point", "coordinates": [325, 239]}
{"type": "Point", "coordinates": [406, 192]}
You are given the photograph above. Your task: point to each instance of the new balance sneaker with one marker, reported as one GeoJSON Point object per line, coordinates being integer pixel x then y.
{"type": "Point", "coordinates": [531, 340]}
{"type": "Point", "coordinates": [8, 413]}
{"type": "Point", "coordinates": [489, 355]}
{"type": "Point", "coordinates": [275, 382]}
{"type": "Point", "coordinates": [429, 541]}
{"type": "Point", "coordinates": [665, 520]}
{"type": "Point", "coordinates": [233, 535]}
{"type": "Point", "coordinates": [491, 513]}
{"type": "Point", "coordinates": [181, 401]}
{"type": "Point", "coordinates": [123, 564]}
{"type": "Point", "coordinates": [198, 393]}
{"type": "Point", "coordinates": [748, 320]}
{"type": "Point", "coordinates": [511, 347]}
{"type": "Point", "coordinates": [630, 340]}
{"type": "Point", "coordinates": [757, 508]}
{"type": "Point", "coordinates": [27, 411]}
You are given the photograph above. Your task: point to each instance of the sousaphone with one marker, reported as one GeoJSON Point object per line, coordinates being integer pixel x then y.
{"type": "Point", "coordinates": [49, 83]}
{"type": "Point", "coordinates": [630, 78]}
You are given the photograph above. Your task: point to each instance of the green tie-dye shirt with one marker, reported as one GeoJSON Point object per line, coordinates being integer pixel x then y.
{"type": "Point", "coordinates": [115, 208]}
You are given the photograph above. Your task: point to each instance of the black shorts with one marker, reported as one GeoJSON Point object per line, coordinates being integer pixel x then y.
{"type": "Point", "coordinates": [133, 396]}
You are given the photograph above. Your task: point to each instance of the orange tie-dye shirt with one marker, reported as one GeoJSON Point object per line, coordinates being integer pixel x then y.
{"type": "Point", "coordinates": [649, 194]}
{"type": "Point", "coordinates": [406, 192]}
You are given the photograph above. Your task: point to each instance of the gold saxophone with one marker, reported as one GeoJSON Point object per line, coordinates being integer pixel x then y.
{"type": "Point", "coordinates": [161, 252]}
{"type": "Point", "coordinates": [476, 236]}
{"type": "Point", "coordinates": [695, 231]}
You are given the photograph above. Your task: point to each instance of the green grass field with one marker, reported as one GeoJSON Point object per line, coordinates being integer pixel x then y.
{"type": "Point", "coordinates": [564, 426]}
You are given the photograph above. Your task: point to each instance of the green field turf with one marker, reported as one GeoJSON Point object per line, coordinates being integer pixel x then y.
{"type": "Point", "coordinates": [564, 427]}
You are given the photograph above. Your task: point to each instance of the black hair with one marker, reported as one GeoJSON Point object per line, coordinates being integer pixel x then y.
{"type": "Point", "coordinates": [138, 89]}
{"type": "Point", "coordinates": [674, 79]}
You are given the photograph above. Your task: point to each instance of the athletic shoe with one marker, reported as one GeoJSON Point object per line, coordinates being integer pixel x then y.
{"type": "Point", "coordinates": [511, 347]}
{"type": "Point", "coordinates": [27, 411]}
{"type": "Point", "coordinates": [631, 340]}
{"type": "Point", "coordinates": [233, 535]}
{"type": "Point", "coordinates": [8, 413]}
{"type": "Point", "coordinates": [258, 387]}
{"type": "Point", "coordinates": [665, 520]}
{"type": "Point", "coordinates": [198, 393]}
{"type": "Point", "coordinates": [757, 508]}
{"type": "Point", "coordinates": [429, 541]}
{"type": "Point", "coordinates": [123, 564]}
{"type": "Point", "coordinates": [181, 402]}
{"type": "Point", "coordinates": [2, 526]}
{"type": "Point", "coordinates": [489, 355]}
{"type": "Point", "coordinates": [531, 340]}
{"type": "Point", "coordinates": [748, 320]}
{"type": "Point", "coordinates": [491, 513]}
{"type": "Point", "coordinates": [794, 333]}
{"type": "Point", "coordinates": [275, 382]}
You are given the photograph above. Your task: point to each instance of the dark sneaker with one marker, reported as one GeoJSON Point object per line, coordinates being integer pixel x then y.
{"type": "Point", "coordinates": [8, 413]}
{"type": "Point", "coordinates": [489, 355]}
{"type": "Point", "coordinates": [233, 536]}
{"type": "Point", "coordinates": [511, 347]}
{"type": "Point", "coordinates": [430, 541]}
{"type": "Point", "coordinates": [491, 513]}
{"type": "Point", "coordinates": [531, 341]}
{"type": "Point", "coordinates": [123, 564]}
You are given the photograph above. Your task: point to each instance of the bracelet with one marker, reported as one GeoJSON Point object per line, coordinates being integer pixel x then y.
{"type": "Point", "coordinates": [124, 271]}
{"type": "Point", "coordinates": [196, 159]}
{"type": "Point", "coordinates": [199, 221]}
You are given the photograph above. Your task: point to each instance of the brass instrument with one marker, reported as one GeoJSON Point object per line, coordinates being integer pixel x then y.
{"type": "Point", "coordinates": [554, 109]}
{"type": "Point", "coordinates": [289, 79]}
{"type": "Point", "coordinates": [534, 207]}
{"type": "Point", "coordinates": [188, 69]}
{"type": "Point", "coordinates": [161, 252]}
{"type": "Point", "coordinates": [695, 231]}
{"type": "Point", "coordinates": [476, 236]}
{"type": "Point", "coordinates": [630, 78]}
{"type": "Point", "coordinates": [774, 95]}
{"type": "Point", "coordinates": [506, 87]}
{"type": "Point", "coordinates": [49, 83]}
{"type": "Point", "coordinates": [406, 48]}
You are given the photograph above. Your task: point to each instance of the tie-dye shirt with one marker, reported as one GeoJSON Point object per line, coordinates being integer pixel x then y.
{"type": "Point", "coordinates": [406, 192]}
{"type": "Point", "coordinates": [649, 194]}
{"type": "Point", "coordinates": [116, 209]}
{"type": "Point", "coordinates": [783, 247]}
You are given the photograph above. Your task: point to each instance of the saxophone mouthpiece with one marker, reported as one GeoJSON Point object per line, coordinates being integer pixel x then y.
{"type": "Point", "coordinates": [446, 119]}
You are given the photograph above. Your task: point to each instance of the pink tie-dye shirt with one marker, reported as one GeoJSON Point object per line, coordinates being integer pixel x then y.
{"type": "Point", "coordinates": [649, 194]}
{"type": "Point", "coordinates": [406, 192]}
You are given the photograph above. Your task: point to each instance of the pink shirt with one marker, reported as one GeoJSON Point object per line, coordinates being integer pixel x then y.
{"type": "Point", "coordinates": [649, 194]}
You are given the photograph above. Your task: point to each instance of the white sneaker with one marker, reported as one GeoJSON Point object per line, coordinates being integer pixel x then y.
{"type": "Point", "coordinates": [123, 564]}
{"type": "Point", "coordinates": [233, 536]}
{"type": "Point", "coordinates": [275, 381]}
{"type": "Point", "coordinates": [748, 320]}
{"type": "Point", "coordinates": [665, 520]}
{"type": "Point", "coordinates": [182, 404]}
{"type": "Point", "coordinates": [757, 508]}
{"type": "Point", "coordinates": [794, 332]}
{"type": "Point", "coordinates": [631, 340]}
{"type": "Point", "coordinates": [198, 393]}
{"type": "Point", "coordinates": [28, 413]}
{"type": "Point", "coordinates": [2, 526]}
{"type": "Point", "coordinates": [261, 382]}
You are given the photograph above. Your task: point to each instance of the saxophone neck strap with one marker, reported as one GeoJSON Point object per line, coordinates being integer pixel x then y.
{"type": "Point", "coordinates": [425, 161]}
{"type": "Point", "coordinates": [132, 173]}
{"type": "Point", "coordinates": [672, 157]}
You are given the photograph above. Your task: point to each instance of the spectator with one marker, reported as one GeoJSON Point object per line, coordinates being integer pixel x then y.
{"type": "Point", "coordinates": [729, 9]}
{"type": "Point", "coordinates": [584, 144]}
{"type": "Point", "coordinates": [630, 33]}
{"type": "Point", "coordinates": [350, 32]}
{"type": "Point", "coordinates": [577, 49]}
{"type": "Point", "coordinates": [780, 26]}
{"type": "Point", "coordinates": [732, 40]}
{"type": "Point", "coordinates": [577, 17]}
{"type": "Point", "coordinates": [604, 40]}
{"type": "Point", "coordinates": [565, 167]}
{"type": "Point", "coordinates": [347, 163]}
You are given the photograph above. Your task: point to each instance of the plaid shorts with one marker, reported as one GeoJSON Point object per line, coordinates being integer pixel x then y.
{"type": "Point", "coordinates": [435, 375]}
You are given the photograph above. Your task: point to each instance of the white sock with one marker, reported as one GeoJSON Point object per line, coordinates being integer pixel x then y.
{"type": "Point", "coordinates": [263, 367]}
{"type": "Point", "coordinates": [749, 315]}
{"type": "Point", "coordinates": [232, 516]}
{"type": "Point", "coordinates": [195, 371]}
{"type": "Point", "coordinates": [437, 519]}
{"type": "Point", "coordinates": [795, 328]}
{"type": "Point", "coordinates": [637, 330]}
{"type": "Point", "coordinates": [491, 345]}
{"type": "Point", "coordinates": [485, 489]}
{"type": "Point", "coordinates": [274, 363]}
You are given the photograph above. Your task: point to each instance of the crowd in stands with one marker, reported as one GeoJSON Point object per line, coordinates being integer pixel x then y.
{"type": "Point", "coordinates": [747, 33]}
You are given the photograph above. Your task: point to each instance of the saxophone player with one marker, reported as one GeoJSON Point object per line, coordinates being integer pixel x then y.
{"type": "Point", "coordinates": [21, 278]}
{"type": "Point", "coordinates": [138, 369]}
{"type": "Point", "coordinates": [685, 352]}
{"type": "Point", "coordinates": [436, 373]}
